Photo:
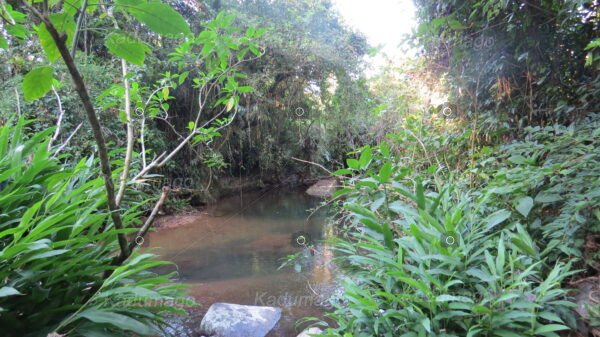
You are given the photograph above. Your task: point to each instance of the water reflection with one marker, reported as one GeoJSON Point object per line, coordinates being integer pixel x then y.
{"type": "Point", "coordinates": [232, 252]}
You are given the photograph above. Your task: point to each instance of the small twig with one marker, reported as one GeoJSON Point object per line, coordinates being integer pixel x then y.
{"type": "Point", "coordinates": [61, 113]}
{"type": "Point", "coordinates": [312, 163]}
{"type": "Point", "coordinates": [18, 103]}
{"type": "Point", "coordinates": [142, 113]}
{"type": "Point", "coordinates": [583, 280]}
{"type": "Point", "coordinates": [130, 137]}
{"type": "Point", "coordinates": [423, 146]}
{"type": "Point", "coordinates": [150, 166]}
{"type": "Point", "coordinates": [68, 139]}
{"type": "Point", "coordinates": [314, 211]}
{"type": "Point", "coordinates": [144, 229]}
{"type": "Point", "coordinates": [142, 140]}
{"type": "Point", "coordinates": [311, 288]}
{"type": "Point", "coordinates": [78, 28]}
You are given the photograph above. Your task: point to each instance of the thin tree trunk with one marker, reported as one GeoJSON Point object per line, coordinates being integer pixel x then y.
{"type": "Point", "coordinates": [130, 138]}
{"type": "Point", "coordinates": [60, 41]}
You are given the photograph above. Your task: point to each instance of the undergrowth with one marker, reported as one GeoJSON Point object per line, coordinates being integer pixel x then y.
{"type": "Point", "coordinates": [486, 253]}
{"type": "Point", "coordinates": [57, 249]}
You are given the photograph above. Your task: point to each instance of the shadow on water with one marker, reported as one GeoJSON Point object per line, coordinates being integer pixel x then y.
{"type": "Point", "coordinates": [231, 253]}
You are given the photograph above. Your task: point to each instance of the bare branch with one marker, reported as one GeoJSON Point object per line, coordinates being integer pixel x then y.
{"type": "Point", "coordinates": [61, 113]}
{"type": "Point", "coordinates": [144, 229]}
{"type": "Point", "coordinates": [78, 28]}
{"type": "Point", "coordinates": [142, 140]}
{"type": "Point", "coordinates": [130, 137]}
{"type": "Point", "coordinates": [68, 139]}
{"type": "Point", "coordinates": [150, 166]}
{"type": "Point", "coordinates": [313, 163]}
{"type": "Point", "coordinates": [18, 102]}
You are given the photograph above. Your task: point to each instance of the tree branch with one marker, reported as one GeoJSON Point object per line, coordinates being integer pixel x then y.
{"type": "Point", "coordinates": [313, 163]}
{"type": "Point", "coordinates": [78, 28]}
{"type": "Point", "coordinates": [61, 113]}
{"type": "Point", "coordinates": [130, 138]}
{"type": "Point", "coordinates": [68, 139]}
{"type": "Point", "coordinates": [142, 231]}
{"type": "Point", "coordinates": [18, 103]}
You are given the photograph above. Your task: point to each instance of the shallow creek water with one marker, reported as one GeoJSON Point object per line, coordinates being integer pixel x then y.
{"type": "Point", "coordinates": [231, 253]}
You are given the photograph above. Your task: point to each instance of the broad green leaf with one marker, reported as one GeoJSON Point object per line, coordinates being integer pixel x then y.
{"type": "Point", "coordinates": [365, 158]}
{"type": "Point", "coordinates": [37, 83]}
{"type": "Point", "coordinates": [550, 328]}
{"type": "Point", "coordinates": [129, 3]}
{"type": "Point", "coordinates": [47, 43]}
{"type": "Point", "coordinates": [65, 24]}
{"type": "Point", "coordinates": [550, 316]}
{"type": "Point", "coordinates": [388, 236]}
{"type": "Point", "coordinates": [362, 211]}
{"type": "Point", "coordinates": [506, 333]}
{"type": "Point", "coordinates": [451, 298]}
{"type": "Point", "coordinates": [385, 172]}
{"type": "Point", "coordinates": [245, 88]}
{"type": "Point", "coordinates": [455, 24]}
{"type": "Point", "coordinates": [342, 172]}
{"type": "Point", "coordinates": [160, 18]}
{"type": "Point", "coordinates": [127, 47]}
{"type": "Point", "coordinates": [524, 205]}
{"type": "Point", "coordinates": [426, 324]}
{"type": "Point", "coordinates": [353, 163]}
{"type": "Point", "coordinates": [497, 217]}
{"type": "Point", "coordinates": [3, 42]}
{"type": "Point", "coordinates": [593, 44]}
{"type": "Point", "coordinates": [118, 320]}
{"type": "Point", "coordinates": [547, 197]}
{"type": "Point", "coordinates": [18, 31]}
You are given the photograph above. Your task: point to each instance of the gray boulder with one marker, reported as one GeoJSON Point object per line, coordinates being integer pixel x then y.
{"type": "Point", "coordinates": [234, 320]}
{"type": "Point", "coordinates": [323, 188]}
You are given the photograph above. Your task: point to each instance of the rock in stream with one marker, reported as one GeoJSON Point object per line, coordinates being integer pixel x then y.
{"type": "Point", "coordinates": [323, 188]}
{"type": "Point", "coordinates": [234, 320]}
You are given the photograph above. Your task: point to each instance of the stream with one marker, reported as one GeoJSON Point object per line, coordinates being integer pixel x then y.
{"type": "Point", "coordinates": [231, 252]}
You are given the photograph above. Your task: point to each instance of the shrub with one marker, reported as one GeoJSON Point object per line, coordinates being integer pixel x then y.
{"type": "Point", "coordinates": [406, 280]}
{"type": "Point", "coordinates": [551, 180]}
{"type": "Point", "coordinates": [57, 246]}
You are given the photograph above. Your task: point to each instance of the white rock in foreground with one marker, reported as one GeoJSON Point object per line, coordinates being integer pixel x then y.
{"type": "Point", "coordinates": [310, 332]}
{"type": "Point", "coordinates": [234, 320]}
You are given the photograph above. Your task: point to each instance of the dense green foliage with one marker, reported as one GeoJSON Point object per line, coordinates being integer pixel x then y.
{"type": "Point", "coordinates": [308, 87]}
{"type": "Point", "coordinates": [471, 190]}
{"type": "Point", "coordinates": [512, 241]}
{"type": "Point", "coordinates": [510, 64]}
{"type": "Point", "coordinates": [311, 88]}
{"type": "Point", "coordinates": [57, 243]}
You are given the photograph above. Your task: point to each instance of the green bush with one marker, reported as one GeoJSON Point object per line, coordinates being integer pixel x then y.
{"type": "Point", "coordinates": [57, 247]}
{"type": "Point", "coordinates": [551, 180]}
{"type": "Point", "coordinates": [404, 280]}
